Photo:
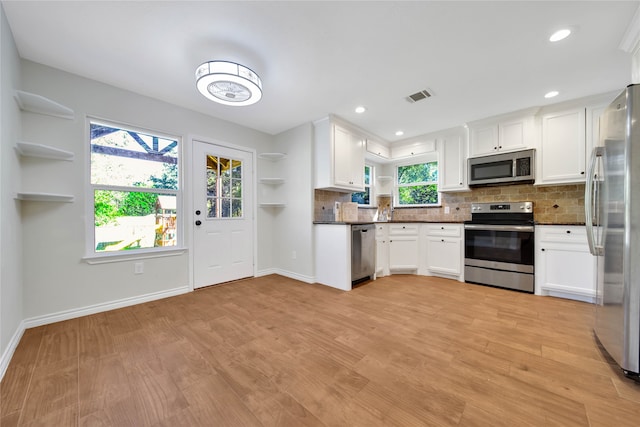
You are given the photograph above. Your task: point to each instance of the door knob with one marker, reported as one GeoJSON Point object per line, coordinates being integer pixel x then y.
{"type": "Point", "coordinates": [198, 222]}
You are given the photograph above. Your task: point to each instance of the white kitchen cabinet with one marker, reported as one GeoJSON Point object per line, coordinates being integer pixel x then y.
{"type": "Point", "coordinates": [378, 149]}
{"type": "Point", "coordinates": [564, 267]}
{"type": "Point", "coordinates": [382, 250]}
{"type": "Point", "coordinates": [593, 114]}
{"type": "Point", "coordinates": [453, 161]}
{"type": "Point", "coordinates": [444, 249]}
{"type": "Point", "coordinates": [507, 133]}
{"type": "Point", "coordinates": [562, 155]}
{"type": "Point", "coordinates": [404, 248]}
{"type": "Point", "coordinates": [333, 255]}
{"type": "Point", "coordinates": [339, 153]}
{"type": "Point", "coordinates": [412, 148]}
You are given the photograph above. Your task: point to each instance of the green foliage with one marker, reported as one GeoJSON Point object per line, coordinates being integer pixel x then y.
{"type": "Point", "coordinates": [168, 179]}
{"type": "Point", "coordinates": [425, 175]}
{"type": "Point", "coordinates": [106, 207]}
{"type": "Point", "coordinates": [138, 204]}
{"type": "Point", "coordinates": [421, 172]}
{"type": "Point", "coordinates": [418, 194]}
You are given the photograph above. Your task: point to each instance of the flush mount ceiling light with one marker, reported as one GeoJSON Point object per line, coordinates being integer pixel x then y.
{"type": "Point", "coordinates": [360, 109]}
{"type": "Point", "coordinates": [228, 83]}
{"type": "Point", "coordinates": [560, 35]}
{"type": "Point", "coordinates": [399, 133]}
{"type": "Point", "coordinates": [551, 94]}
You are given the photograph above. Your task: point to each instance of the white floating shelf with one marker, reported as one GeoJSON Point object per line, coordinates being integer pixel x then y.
{"type": "Point", "coordinates": [29, 149]}
{"type": "Point", "coordinates": [45, 197]}
{"type": "Point", "coordinates": [271, 181]}
{"type": "Point", "coordinates": [385, 178]}
{"type": "Point", "coordinates": [41, 105]}
{"type": "Point", "coordinates": [272, 156]}
{"type": "Point", "coordinates": [272, 205]}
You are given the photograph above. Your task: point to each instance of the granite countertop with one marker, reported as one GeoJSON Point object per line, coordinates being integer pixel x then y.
{"type": "Point", "coordinates": [387, 222]}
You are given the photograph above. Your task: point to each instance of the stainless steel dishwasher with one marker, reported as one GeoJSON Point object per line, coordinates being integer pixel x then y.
{"type": "Point", "coordinates": [363, 255]}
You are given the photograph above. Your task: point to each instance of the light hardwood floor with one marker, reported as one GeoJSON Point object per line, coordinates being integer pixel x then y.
{"type": "Point", "coordinates": [400, 351]}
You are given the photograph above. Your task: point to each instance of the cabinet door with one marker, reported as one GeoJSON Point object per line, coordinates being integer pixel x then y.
{"type": "Point", "coordinates": [453, 163]}
{"type": "Point", "coordinates": [443, 255]}
{"type": "Point", "coordinates": [382, 257]}
{"type": "Point", "coordinates": [511, 135]}
{"type": "Point", "coordinates": [348, 159]}
{"type": "Point", "coordinates": [483, 140]}
{"type": "Point", "coordinates": [566, 270]}
{"type": "Point", "coordinates": [593, 127]}
{"type": "Point", "coordinates": [403, 253]}
{"type": "Point", "coordinates": [563, 147]}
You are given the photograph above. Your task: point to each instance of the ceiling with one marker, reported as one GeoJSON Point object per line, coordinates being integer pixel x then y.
{"type": "Point", "coordinates": [476, 58]}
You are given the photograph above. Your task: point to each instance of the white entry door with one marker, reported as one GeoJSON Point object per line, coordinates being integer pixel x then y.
{"type": "Point", "coordinates": [223, 214]}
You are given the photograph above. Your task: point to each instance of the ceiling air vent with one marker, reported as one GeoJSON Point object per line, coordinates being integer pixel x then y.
{"type": "Point", "coordinates": [418, 96]}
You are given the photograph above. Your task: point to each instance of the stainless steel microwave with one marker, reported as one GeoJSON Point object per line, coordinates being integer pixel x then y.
{"type": "Point", "coordinates": [500, 169]}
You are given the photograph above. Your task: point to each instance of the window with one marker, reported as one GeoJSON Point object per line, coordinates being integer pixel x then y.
{"type": "Point", "coordinates": [134, 182]}
{"type": "Point", "coordinates": [364, 197]}
{"type": "Point", "coordinates": [224, 187]}
{"type": "Point", "coordinates": [417, 184]}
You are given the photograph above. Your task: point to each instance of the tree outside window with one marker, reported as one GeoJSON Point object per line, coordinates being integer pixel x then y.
{"type": "Point", "coordinates": [417, 184]}
{"type": "Point", "coordinates": [134, 178]}
{"type": "Point", "coordinates": [364, 197]}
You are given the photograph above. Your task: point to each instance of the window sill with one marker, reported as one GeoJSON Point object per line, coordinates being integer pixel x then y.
{"type": "Point", "coordinates": [119, 257]}
{"type": "Point", "coordinates": [417, 206]}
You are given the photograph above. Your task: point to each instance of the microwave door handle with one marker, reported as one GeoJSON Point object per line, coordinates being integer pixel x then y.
{"type": "Point", "coordinates": [591, 195]}
{"type": "Point", "coordinates": [513, 169]}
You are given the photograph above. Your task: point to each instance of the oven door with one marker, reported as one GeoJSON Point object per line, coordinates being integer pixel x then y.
{"type": "Point", "coordinates": [500, 255]}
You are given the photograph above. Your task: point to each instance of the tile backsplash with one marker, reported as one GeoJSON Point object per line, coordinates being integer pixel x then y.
{"type": "Point", "coordinates": [560, 204]}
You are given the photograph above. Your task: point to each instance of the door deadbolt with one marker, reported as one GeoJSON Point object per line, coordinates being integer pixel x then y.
{"type": "Point", "coordinates": [198, 212]}
{"type": "Point", "coordinates": [198, 222]}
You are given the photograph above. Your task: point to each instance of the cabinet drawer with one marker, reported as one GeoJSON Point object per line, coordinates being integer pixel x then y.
{"type": "Point", "coordinates": [562, 234]}
{"type": "Point", "coordinates": [403, 229]}
{"type": "Point", "coordinates": [381, 231]}
{"type": "Point", "coordinates": [449, 230]}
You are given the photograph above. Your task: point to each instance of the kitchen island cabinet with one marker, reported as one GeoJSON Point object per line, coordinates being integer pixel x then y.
{"type": "Point", "coordinates": [564, 267]}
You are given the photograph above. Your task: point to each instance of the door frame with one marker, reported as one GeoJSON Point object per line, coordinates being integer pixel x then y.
{"type": "Point", "coordinates": [189, 199]}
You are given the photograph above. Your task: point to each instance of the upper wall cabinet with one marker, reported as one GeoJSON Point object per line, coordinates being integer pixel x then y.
{"type": "Point", "coordinates": [378, 149]}
{"type": "Point", "coordinates": [568, 136]}
{"type": "Point", "coordinates": [339, 156]}
{"type": "Point", "coordinates": [562, 156]}
{"type": "Point", "coordinates": [505, 133]}
{"type": "Point", "coordinates": [453, 160]}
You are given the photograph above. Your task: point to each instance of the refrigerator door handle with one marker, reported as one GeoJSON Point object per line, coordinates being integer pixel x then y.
{"type": "Point", "coordinates": [591, 202]}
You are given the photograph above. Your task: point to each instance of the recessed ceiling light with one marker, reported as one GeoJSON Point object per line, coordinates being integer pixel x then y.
{"type": "Point", "coordinates": [360, 109]}
{"type": "Point", "coordinates": [551, 94]}
{"type": "Point", "coordinates": [399, 133]}
{"type": "Point", "coordinates": [560, 35]}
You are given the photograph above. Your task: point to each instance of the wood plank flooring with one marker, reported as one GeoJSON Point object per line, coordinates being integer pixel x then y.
{"type": "Point", "coordinates": [271, 351]}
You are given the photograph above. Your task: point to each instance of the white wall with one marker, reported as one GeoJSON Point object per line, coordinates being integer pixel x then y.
{"type": "Point", "coordinates": [55, 277]}
{"type": "Point", "coordinates": [293, 224]}
{"type": "Point", "coordinates": [11, 302]}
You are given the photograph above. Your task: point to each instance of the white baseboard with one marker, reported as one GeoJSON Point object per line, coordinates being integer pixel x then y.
{"type": "Point", "coordinates": [285, 273]}
{"type": "Point", "coordinates": [11, 348]}
{"type": "Point", "coordinates": [99, 308]}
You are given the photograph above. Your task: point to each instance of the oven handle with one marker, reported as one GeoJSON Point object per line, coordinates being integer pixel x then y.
{"type": "Point", "coordinates": [488, 227]}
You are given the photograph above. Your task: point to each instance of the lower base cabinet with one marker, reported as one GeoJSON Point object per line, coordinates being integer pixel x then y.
{"type": "Point", "coordinates": [444, 249]}
{"type": "Point", "coordinates": [564, 267]}
{"type": "Point", "coordinates": [403, 253]}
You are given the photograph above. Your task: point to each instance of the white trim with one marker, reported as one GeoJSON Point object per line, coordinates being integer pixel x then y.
{"type": "Point", "coordinates": [631, 37]}
{"type": "Point", "coordinates": [108, 257]}
{"type": "Point", "coordinates": [285, 273]}
{"type": "Point", "coordinates": [11, 348]}
{"type": "Point", "coordinates": [101, 307]}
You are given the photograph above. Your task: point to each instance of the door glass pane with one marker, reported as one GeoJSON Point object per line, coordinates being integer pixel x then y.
{"type": "Point", "coordinates": [224, 187]}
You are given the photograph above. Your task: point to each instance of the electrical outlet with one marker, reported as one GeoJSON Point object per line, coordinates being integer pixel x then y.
{"type": "Point", "coordinates": [138, 268]}
{"type": "Point", "coordinates": [294, 255]}
{"type": "Point", "coordinates": [447, 210]}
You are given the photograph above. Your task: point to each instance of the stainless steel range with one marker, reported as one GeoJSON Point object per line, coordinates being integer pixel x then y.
{"type": "Point", "coordinates": [499, 245]}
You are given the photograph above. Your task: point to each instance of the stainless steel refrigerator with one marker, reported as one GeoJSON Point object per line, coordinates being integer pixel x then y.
{"type": "Point", "coordinates": [612, 208]}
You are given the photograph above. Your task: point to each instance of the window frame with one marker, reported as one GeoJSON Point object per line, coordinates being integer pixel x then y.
{"type": "Point", "coordinates": [370, 186]}
{"type": "Point", "coordinates": [96, 257]}
{"type": "Point", "coordinates": [428, 158]}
